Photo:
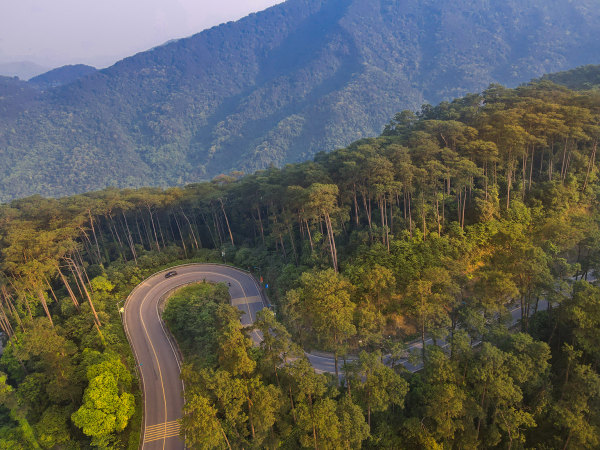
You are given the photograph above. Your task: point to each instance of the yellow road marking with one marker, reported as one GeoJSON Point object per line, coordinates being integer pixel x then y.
{"type": "Point", "coordinates": [156, 356]}
{"type": "Point", "coordinates": [152, 427]}
{"type": "Point", "coordinates": [161, 435]}
{"type": "Point", "coordinates": [161, 431]}
{"type": "Point", "coordinates": [166, 436]}
{"type": "Point", "coordinates": [247, 300]}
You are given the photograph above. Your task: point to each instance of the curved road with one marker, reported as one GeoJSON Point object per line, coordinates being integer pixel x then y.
{"type": "Point", "coordinates": [158, 363]}
{"type": "Point", "coordinates": [155, 355]}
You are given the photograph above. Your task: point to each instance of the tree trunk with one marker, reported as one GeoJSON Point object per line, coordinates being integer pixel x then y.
{"type": "Point", "coordinates": [162, 238]}
{"type": "Point", "coordinates": [444, 205]}
{"type": "Point", "coordinates": [355, 203]}
{"type": "Point", "coordinates": [224, 435]}
{"type": "Point", "coordinates": [387, 232]}
{"type": "Point", "coordinates": [485, 168]}
{"type": "Point", "coordinates": [180, 235]}
{"type": "Point", "coordinates": [437, 213]}
{"type": "Point", "coordinates": [392, 218]}
{"type": "Point", "coordinates": [542, 162]}
{"type": "Point", "coordinates": [262, 231]}
{"type": "Point", "coordinates": [146, 228]}
{"type": "Point", "coordinates": [508, 188]}
{"type": "Point", "coordinates": [590, 163]}
{"type": "Point", "coordinates": [218, 228]}
{"type": "Point", "coordinates": [153, 228]}
{"type": "Point", "coordinates": [568, 439]}
{"type": "Point", "coordinates": [45, 306]}
{"type": "Point", "coordinates": [98, 324]}
{"type": "Point", "coordinates": [382, 220]}
{"type": "Point", "coordinates": [562, 167]}
{"type": "Point", "coordinates": [464, 207]}
{"type": "Point", "coordinates": [227, 221]}
{"type": "Point", "coordinates": [116, 241]}
{"type": "Point", "coordinates": [137, 224]}
{"type": "Point", "coordinates": [337, 374]}
{"type": "Point", "coordinates": [12, 309]}
{"type": "Point", "coordinates": [130, 240]}
{"type": "Point", "coordinates": [409, 216]}
{"type": "Point", "coordinates": [196, 228]}
{"type": "Point", "coordinates": [84, 271]}
{"type": "Point", "coordinates": [309, 236]}
{"type": "Point", "coordinates": [69, 290]}
{"type": "Point", "coordinates": [209, 230]}
{"type": "Point", "coordinates": [531, 168]}
{"type": "Point", "coordinates": [423, 206]}
{"type": "Point", "coordinates": [331, 242]}
{"type": "Point", "coordinates": [95, 238]}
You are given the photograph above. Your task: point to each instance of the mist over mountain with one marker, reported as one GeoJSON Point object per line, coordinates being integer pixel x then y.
{"type": "Point", "coordinates": [22, 69]}
{"type": "Point", "coordinates": [61, 75]}
{"type": "Point", "coordinates": [277, 87]}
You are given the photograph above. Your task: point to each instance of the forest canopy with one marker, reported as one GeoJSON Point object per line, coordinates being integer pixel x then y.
{"type": "Point", "coordinates": [438, 230]}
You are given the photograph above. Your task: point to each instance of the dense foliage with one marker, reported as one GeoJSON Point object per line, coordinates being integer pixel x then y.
{"type": "Point", "coordinates": [279, 86]}
{"type": "Point", "coordinates": [191, 315]}
{"type": "Point", "coordinates": [581, 78]}
{"type": "Point", "coordinates": [438, 228]}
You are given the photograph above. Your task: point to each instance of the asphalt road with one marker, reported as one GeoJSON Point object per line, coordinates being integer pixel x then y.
{"type": "Point", "coordinates": [157, 359]}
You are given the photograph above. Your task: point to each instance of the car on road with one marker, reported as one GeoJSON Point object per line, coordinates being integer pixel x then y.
{"type": "Point", "coordinates": [170, 274]}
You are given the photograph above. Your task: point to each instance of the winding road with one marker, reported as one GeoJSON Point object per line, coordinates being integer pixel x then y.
{"type": "Point", "coordinates": [157, 359]}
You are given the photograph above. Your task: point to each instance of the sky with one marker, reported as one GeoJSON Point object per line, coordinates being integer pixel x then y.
{"type": "Point", "coordinates": [101, 32]}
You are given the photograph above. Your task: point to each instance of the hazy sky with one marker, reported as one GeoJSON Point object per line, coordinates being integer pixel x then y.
{"type": "Point", "coordinates": [100, 32]}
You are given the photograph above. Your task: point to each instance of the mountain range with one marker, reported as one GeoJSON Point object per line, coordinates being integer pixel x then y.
{"type": "Point", "coordinates": [276, 87]}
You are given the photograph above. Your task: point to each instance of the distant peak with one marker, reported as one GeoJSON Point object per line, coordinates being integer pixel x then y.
{"type": "Point", "coordinates": [61, 75]}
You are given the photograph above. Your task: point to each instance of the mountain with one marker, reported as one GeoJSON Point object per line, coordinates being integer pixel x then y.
{"type": "Point", "coordinates": [22, 69]}
{"type": "Point", "coordinates": [61, 75]}
{"type": "Point", "coordinates": [279, 86]}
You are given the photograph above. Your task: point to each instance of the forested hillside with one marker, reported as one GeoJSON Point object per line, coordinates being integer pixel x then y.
{"type": "Point", "coordinates": [280, 86]}
{"type": "Point", "coordinates": [440, 227]}
{"type": "Point", "coordinates": [61, 75]}
{"type": "Point", "coordinates": [585, 77]}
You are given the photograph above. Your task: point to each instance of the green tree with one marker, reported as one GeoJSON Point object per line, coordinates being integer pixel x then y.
{"type": "Point", "coordinates": [18, 413]}
{"type": "Point", "coordinates": [200, 427]}
{"type": "Point", "coordinates": [428, 301]}
{"type": "Point", "coordinates": [321, 417]}
{"type": "Point", "coordinates": [381, 387]}
{"type": "Point", "coordinates": [276, 344]}
{"type": "Point", "coordinates": [105, 410]}
{"type": "Point", "coordinates": [52, 429]}
{"type": "Point", "coordinates": [583, 310]}
{"type": "Point", "coordinates": [353, 428]}
{"type": "Point", "coordinates": [327, 308]}
{"type": "Point", "coordinates": [573, 411]}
